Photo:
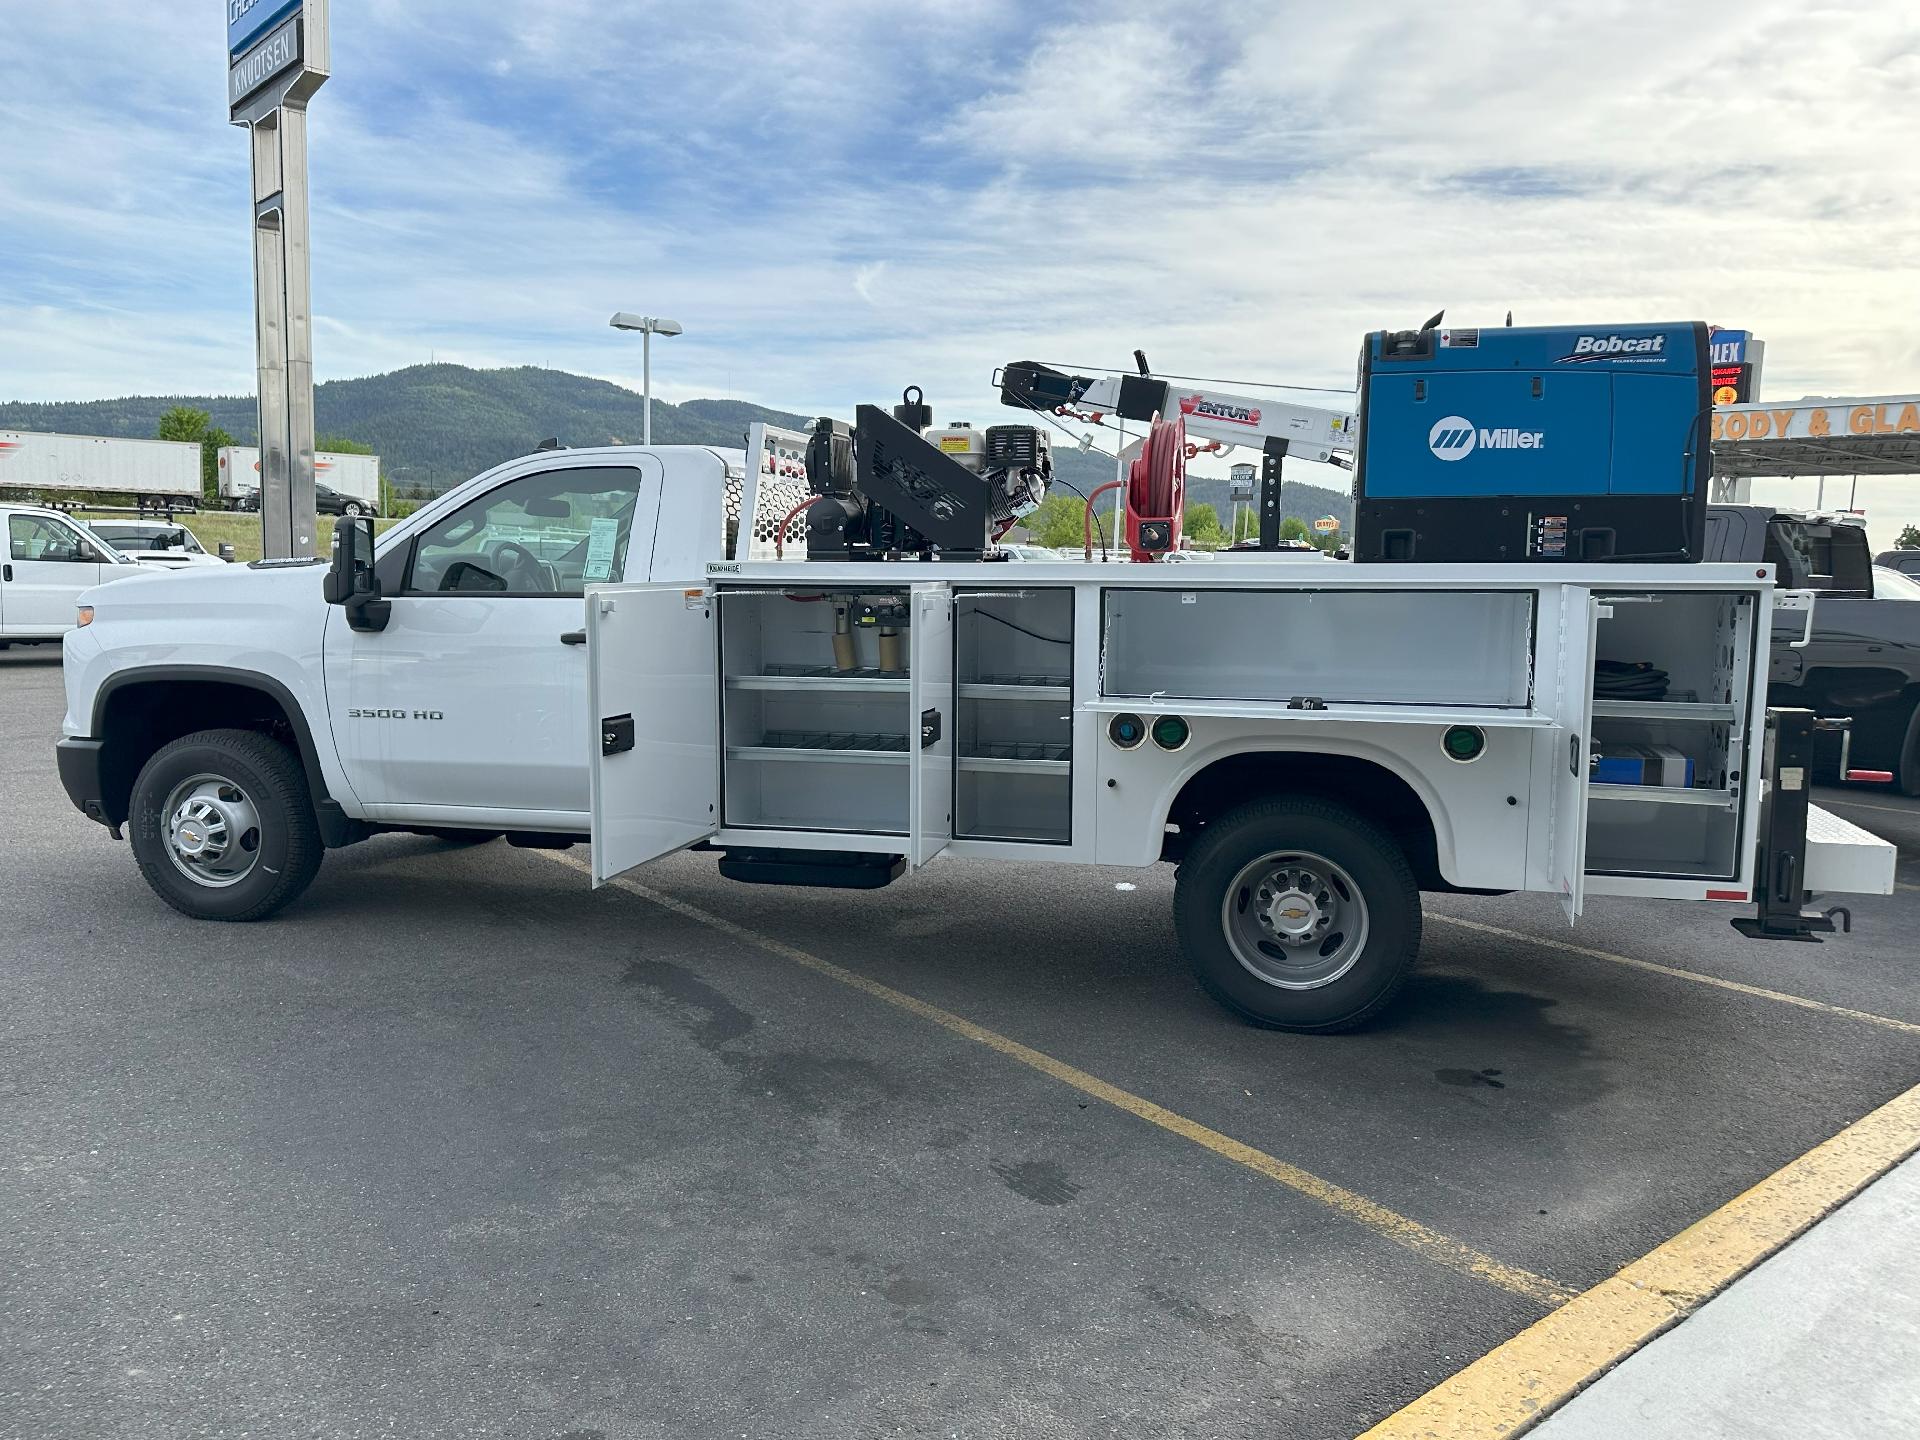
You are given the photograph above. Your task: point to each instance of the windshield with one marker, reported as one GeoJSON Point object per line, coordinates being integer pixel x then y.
{"type": "Point", "coordinates": [155, 539]}
{"type": "Point", "coordinates": [1892, 585]}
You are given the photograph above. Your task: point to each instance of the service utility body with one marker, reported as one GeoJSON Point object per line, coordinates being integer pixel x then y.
{"type": "Point", "coordinates": [817, 663]}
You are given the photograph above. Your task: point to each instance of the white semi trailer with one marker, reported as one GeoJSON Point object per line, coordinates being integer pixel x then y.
{"type": "Point", "coordinates": [37, 466]}
{"type": "Point", "coordinates": [356, 478]}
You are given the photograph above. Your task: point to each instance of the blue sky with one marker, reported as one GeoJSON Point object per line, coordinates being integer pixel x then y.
{"type": "Point", "coordinates": [843, 197]}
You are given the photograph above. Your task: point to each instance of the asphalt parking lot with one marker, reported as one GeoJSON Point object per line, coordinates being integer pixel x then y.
{"type": "Point", "coordinates": [456, 1147]}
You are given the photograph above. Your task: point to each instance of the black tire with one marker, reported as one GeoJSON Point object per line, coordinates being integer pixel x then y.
{"type": "Point", "coordinates": [352, 509]}
{"type": "Point", "coordinates": [1906, 770]}
{"type": "Point", "coordinates": [1364, 859]}
{"type": "Point", "coordinates": [272, 787]}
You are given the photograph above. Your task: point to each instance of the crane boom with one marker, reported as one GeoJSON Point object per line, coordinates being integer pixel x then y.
{"type": "Point", "coordinates": [1311, 432]}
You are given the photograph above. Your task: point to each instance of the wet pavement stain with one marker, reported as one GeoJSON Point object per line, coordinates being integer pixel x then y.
{"type": "Point", "coordinates": [689, 1001]}
{"type": "Point", "coordinates": [1040, 1181]}
{"type": "Point", "coordinates": [1239, 1333]}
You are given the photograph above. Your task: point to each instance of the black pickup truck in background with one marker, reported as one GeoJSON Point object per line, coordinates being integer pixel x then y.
{"type": "Point", "coordinates": [1864, 658]}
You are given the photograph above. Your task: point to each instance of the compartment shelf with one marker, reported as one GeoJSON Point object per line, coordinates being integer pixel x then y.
{"type": "Point", "coordinates": [1663, 710]}
{"type": "Point", "coordinates": [820, 677]}
{"type": "Point", "coordinates": [1015, 688]}
{"type": "Point", "coordinates": [1662, 795]}
{"type": "Point", "coordinates": [1003, 765]}
{"type": "Point", "coordinates": [835, 747]}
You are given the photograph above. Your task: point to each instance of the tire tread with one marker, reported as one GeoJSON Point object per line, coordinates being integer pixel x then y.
{"type": "Point", "coordinates": [1223, 831]}
{"type": "Point", "coordinates": [286, 781]}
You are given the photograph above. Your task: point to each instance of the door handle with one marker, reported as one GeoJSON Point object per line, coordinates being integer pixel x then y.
{"type": "Point", "coordinates": [6, 572]}
{"type": "Point", "coordinates": [574, 637]}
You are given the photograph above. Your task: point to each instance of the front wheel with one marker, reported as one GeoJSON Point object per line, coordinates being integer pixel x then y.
{"type": "Point", "coordinates": [223, 825]}
{"type": "Point", "coordinates": [1298, 914]}
{"type": "Point", "coordinates": [352, 509]}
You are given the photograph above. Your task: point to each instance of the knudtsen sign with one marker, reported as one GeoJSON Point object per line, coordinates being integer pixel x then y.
{"type": "Point", "coordinates": [278, 53]}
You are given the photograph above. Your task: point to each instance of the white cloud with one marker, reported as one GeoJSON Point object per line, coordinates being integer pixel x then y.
{"type": "Point", "coordinates": [845, 200]}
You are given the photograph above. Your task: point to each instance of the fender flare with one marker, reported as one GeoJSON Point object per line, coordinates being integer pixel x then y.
{"type": "Point", "coordinates": [219, 674]}
{"type": "Point", "coordinates": [1389, 761]}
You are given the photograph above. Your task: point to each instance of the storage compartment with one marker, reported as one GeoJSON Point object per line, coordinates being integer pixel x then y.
{"type": "Point", "coordinates": [1387, 647]}
{"type": "Point", "coordinates": [1671, 727]}
{"type": "Point", "coordinates": [816, 714]}
{"type": "Point", "coordinates": [1014, 667]}
{"type": "Point", "coordinates": [1631, 834]}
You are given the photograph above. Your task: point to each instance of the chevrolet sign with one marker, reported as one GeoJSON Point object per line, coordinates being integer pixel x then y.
{"type": "Point", "coordinates": [248, 20]}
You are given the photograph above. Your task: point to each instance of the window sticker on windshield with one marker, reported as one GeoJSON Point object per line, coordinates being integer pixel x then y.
{"type": "Point", "coordinates": [602, 533]}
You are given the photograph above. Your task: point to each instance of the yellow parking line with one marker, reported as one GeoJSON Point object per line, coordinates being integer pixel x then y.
{"type": "Point", "coordinates": [1903, 1026]}
{"type": "Point", "coordinates": [1388, 1224]}
{"type": "Point", "coordinates": [1517, 1384]}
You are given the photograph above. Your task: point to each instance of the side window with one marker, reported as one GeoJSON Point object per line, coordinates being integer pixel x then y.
{"type": "Point", "coordinates": [547, 534]}
{"type": "Point", "coordinates": [30, 537]}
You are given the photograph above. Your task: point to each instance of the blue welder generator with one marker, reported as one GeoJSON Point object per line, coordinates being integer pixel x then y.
{"type": "Point", "coordinates": [1533, 443]}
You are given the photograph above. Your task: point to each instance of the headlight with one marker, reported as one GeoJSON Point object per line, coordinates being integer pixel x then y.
{"type": "Point", "coordinates": [83, 615]}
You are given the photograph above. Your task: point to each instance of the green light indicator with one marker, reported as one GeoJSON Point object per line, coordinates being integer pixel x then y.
{"type": "Point", "coordinates": [1170, 732]}
{"type": "Point", "coordinates": [1464, 742]}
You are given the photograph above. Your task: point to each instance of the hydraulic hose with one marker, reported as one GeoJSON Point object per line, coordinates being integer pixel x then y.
{"type": "Point", "coordinates": [1086, 521]}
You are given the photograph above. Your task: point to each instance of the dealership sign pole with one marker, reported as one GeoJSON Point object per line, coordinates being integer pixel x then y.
{"type": "Point", "coordinates": [277, 57]}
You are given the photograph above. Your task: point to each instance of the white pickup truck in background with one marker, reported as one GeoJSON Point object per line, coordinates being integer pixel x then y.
{"type": "Point", "coordinates": [50, 562]}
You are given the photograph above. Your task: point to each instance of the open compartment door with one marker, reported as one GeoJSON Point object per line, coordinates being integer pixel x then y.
{"type": "Point", "coordinates": [1573, 709]}
{"type": "Point", "coordinates": [654, 707]}
{"type": "Point", "coordinates": [930, 727]}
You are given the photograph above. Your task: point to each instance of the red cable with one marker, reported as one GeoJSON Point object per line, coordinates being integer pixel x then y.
{"type": "Point", "coordinates": [780, 535]}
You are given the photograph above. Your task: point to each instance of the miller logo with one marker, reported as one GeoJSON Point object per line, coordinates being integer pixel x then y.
{"type": "Point", "coordinates": [1213, 410]}
{"type": "Point", "coordinates": [1455, 438]}
{"type": "Point", "coordinates": [1451, 438]}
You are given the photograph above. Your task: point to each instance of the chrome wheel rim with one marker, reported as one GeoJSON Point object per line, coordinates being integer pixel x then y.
{"type": "Point", "coordinates": [213, 831]}
{"type": "Point", "coordinates": [1295, 920]}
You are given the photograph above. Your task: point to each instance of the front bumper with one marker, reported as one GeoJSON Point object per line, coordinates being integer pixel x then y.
{"type": "Point", "coordinates": [80, 774]}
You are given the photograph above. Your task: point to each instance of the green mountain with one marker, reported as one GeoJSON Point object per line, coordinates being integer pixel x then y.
{"type": "Point", "coordinates": [435, 425]}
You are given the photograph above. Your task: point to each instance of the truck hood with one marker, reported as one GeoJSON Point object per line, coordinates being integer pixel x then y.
{"type": "Point", "coordinates": [154, 590]}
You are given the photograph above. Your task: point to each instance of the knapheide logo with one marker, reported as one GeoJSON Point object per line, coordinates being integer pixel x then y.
{"type": "Point", "coordinates": [1451, 438]}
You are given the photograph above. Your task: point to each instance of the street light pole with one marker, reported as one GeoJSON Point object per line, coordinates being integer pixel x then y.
{"type": "Point", "coordinates": [648, 326]}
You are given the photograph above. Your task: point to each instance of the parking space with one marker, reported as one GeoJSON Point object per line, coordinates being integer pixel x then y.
{"type": "Point", "coordinates": [457, 1147]}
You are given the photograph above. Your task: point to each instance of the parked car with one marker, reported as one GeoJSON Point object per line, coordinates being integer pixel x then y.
{"type": "Point", "coordinates": [50, 561]}
{"type": "Point", "coordinates": [1863, 658]}
{"type": "Point", "coordinates": [1907, 562]}
{"type": "Point", "coordinates": [326, 501]}
{"type": "Point", "coordinates": [173, 547]}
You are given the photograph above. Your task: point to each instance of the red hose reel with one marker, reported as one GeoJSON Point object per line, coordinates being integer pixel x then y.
{"type": "Point", "coordinates": [1157, 491]}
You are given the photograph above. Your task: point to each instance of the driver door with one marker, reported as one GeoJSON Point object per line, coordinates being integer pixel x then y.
{"type": "Point", "coordinates": [473, 699]}
{"type": "Point", "coordinates": [48, 564]}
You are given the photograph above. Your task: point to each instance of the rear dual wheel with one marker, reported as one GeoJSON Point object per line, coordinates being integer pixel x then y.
{"type": "Point", "coordinates": [1298, 914]}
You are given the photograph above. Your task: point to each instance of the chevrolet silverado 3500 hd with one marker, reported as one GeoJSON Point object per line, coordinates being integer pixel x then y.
{"type": "Point", "coordinates": [601, 643]}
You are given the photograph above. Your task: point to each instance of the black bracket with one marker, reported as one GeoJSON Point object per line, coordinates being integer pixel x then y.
{"type": "Point", "coordinates": [616, 735]}
{"type": "Point", "coordinates": [929, 728]}
{"type": "Point", "coordinates": [1271, 456]}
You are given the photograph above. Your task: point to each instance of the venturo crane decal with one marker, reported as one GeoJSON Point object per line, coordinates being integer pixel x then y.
{"type": "Point", "coordinates": [1201, 406]}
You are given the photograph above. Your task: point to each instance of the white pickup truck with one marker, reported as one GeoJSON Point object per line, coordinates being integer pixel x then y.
{"type": "Point", "coordinates": [50, 562]}
{"type": "Point", "coordinates": [600, 643]}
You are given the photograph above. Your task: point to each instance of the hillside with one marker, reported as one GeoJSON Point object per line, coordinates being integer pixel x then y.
{"type": "Point", "coordinates": [435, 425]}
